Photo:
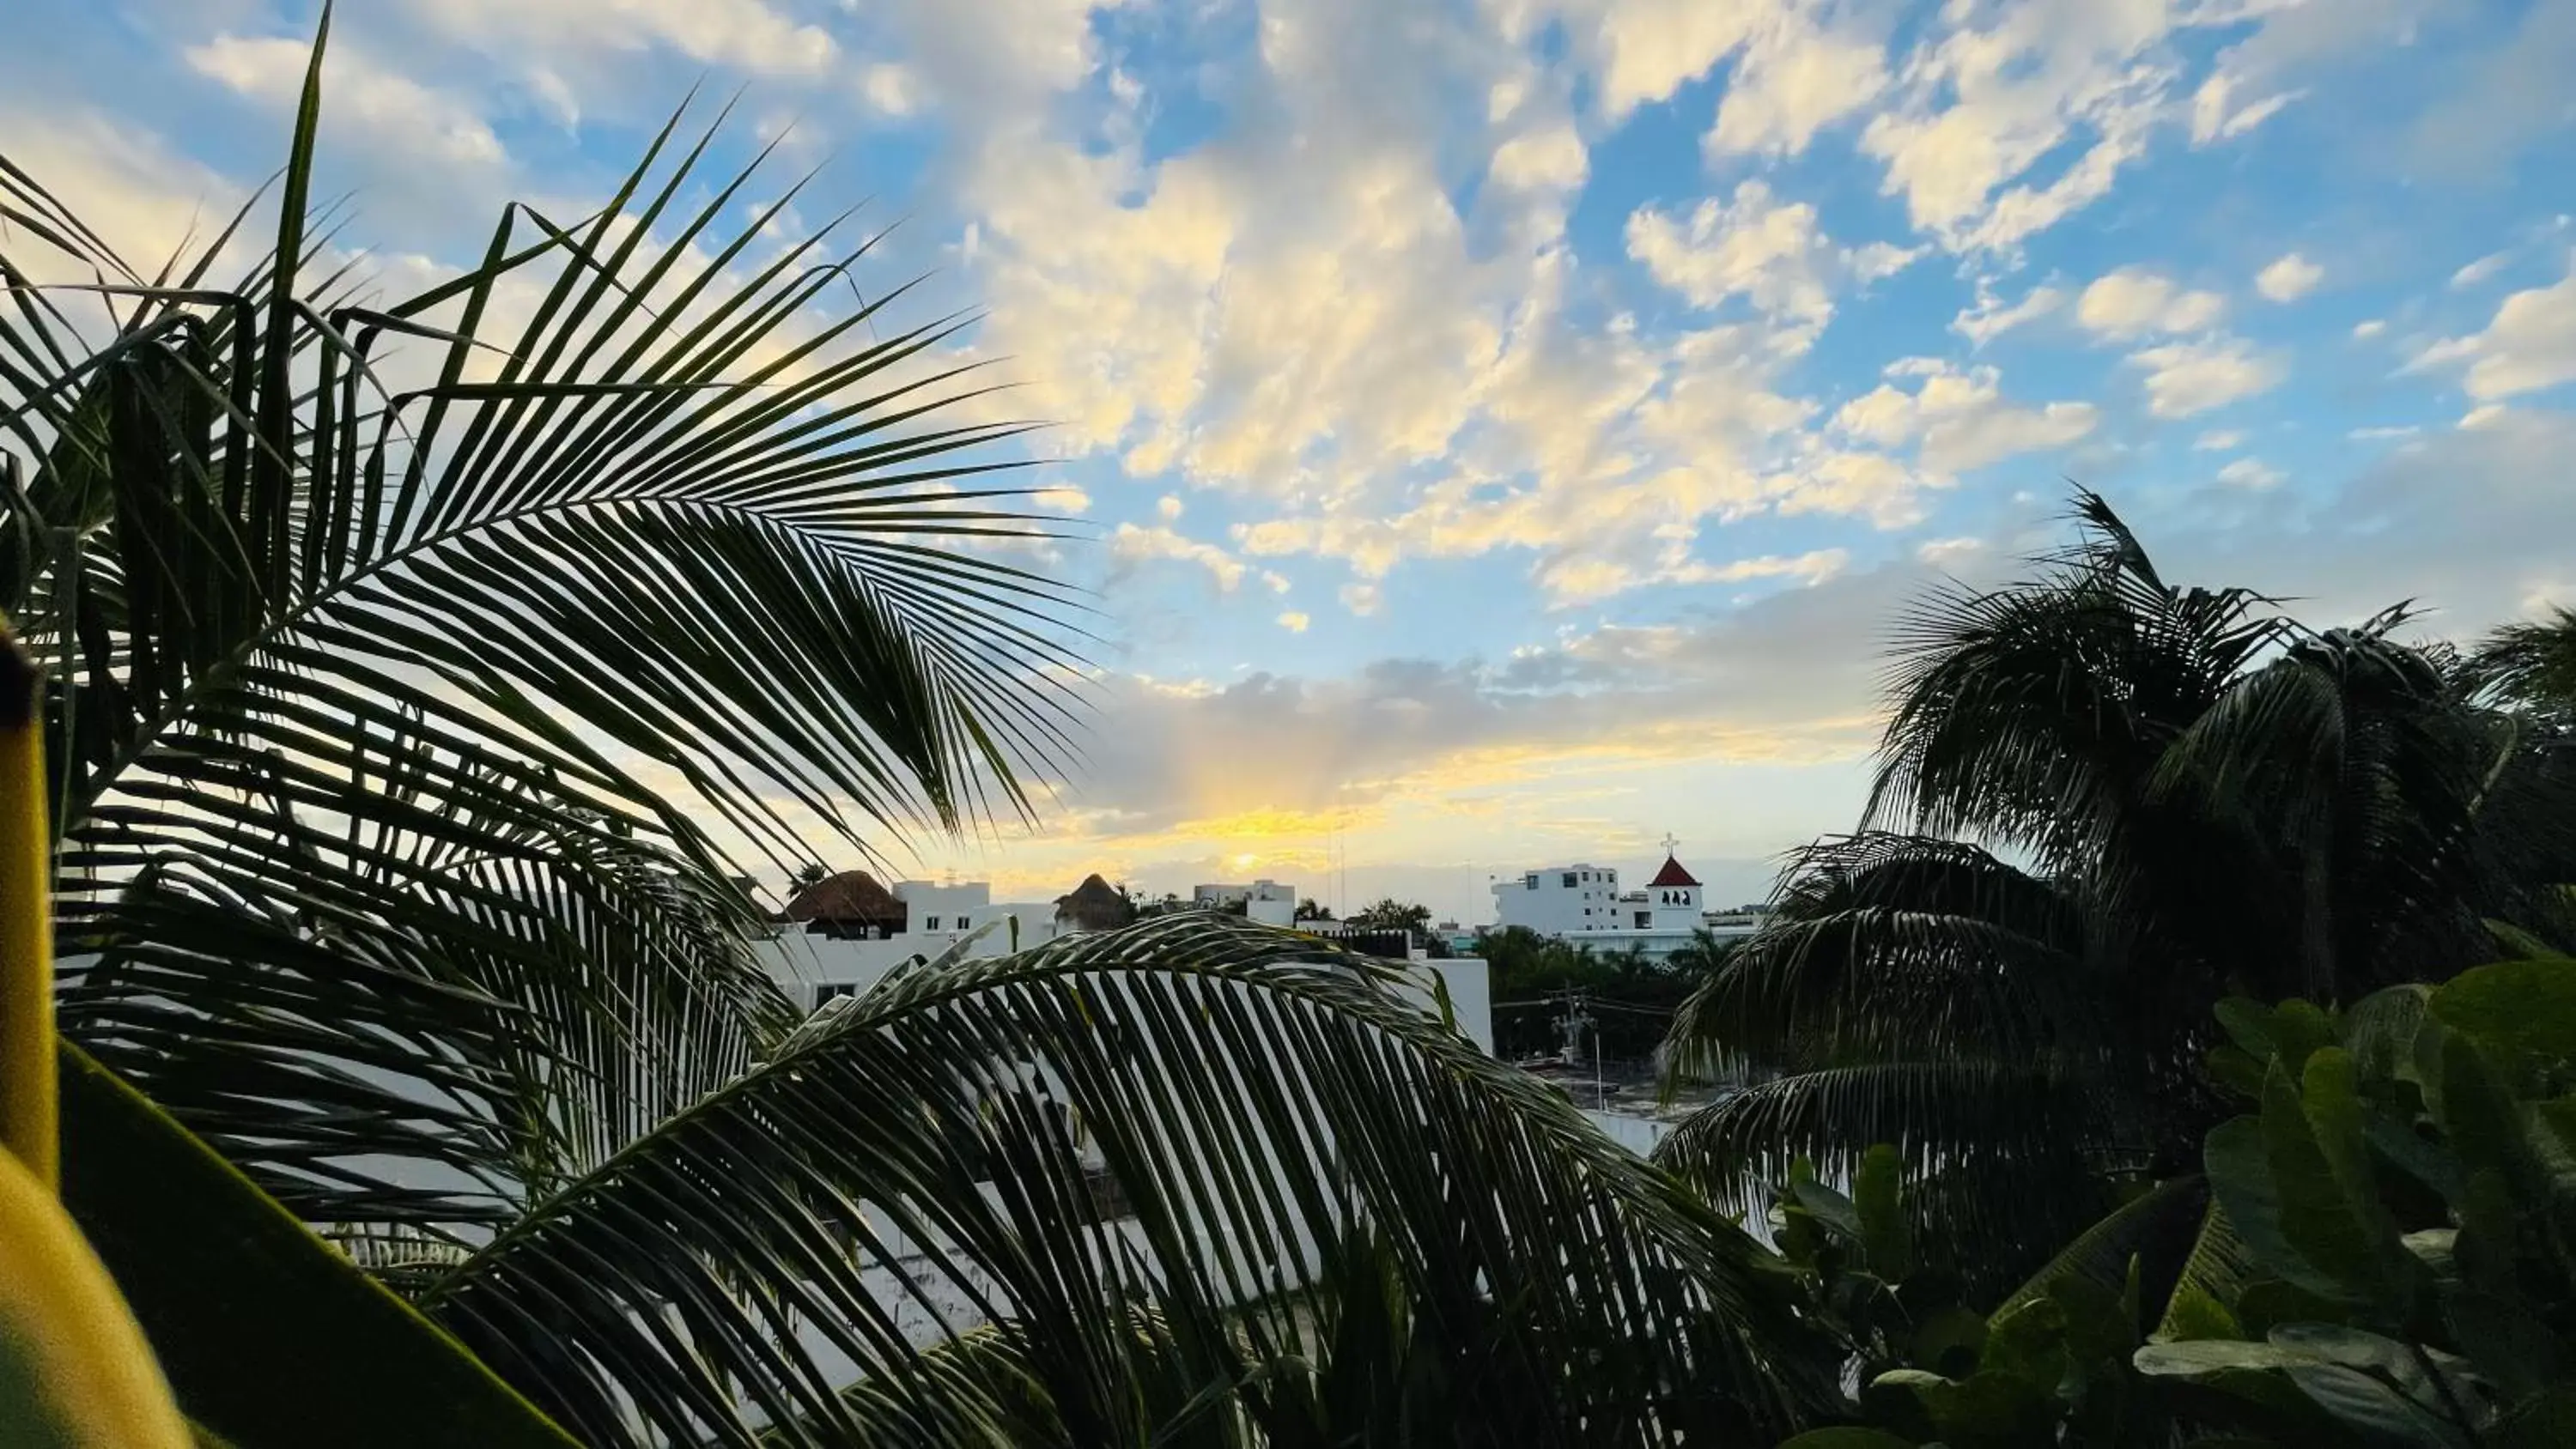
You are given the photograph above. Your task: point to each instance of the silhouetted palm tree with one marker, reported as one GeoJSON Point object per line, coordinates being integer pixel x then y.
{"type": "Point", "coordinates": [2103, 802]}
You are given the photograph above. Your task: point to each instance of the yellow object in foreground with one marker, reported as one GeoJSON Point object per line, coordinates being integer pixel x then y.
{"type": "Point", "coordinates": [74, 1370]}
{"type": "Point", "coordinates": [26, 925]}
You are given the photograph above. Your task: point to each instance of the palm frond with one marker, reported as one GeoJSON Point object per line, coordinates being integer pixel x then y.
{"type": "Point", "coordinates": [927, 1164]}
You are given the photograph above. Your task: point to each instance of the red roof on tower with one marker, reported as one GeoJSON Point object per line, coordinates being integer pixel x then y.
{"type": "Point", "coordinates": [1671, 875]}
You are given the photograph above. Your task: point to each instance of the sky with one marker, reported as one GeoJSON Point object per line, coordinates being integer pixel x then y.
{"type": "Point", "coordinates": [1501, 433]}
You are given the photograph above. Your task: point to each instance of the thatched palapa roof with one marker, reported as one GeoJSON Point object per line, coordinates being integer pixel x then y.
{"type": "Point", "coordinates": [1094, 905]}
{"type": "Point", "coordinates": [851, 897]}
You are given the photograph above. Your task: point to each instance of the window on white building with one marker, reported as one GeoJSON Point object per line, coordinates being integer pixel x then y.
{"type": "Point", "coordinates": [931, 925]}
{"type": "Point", "coordinates": [1645, 919]}
{"type": "Point", "coordinates": [1569, 878]}
{"type": "Point", "coordinates": [1529, 883]}
{"type": "Point", "coordinates": [962, 923]}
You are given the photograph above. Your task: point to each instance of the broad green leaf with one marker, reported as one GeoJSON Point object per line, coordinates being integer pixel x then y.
{"type": "Point", "coordinates": [270, 1337]}
{"type": "Point", "coordinates": [2373, 1412]}
{"type": "Point", "coordinates": [2240, 1174]}
{"type": "Point", "coordinates": [2193, 1314]}
{"type": "Point", "coordinates": [1877, 1202]}
{"type": "Point", "coordinates": [2098, 1329]}
{"type": "Point", "coordinates": [1948, 1342]}
{"type": "Point", "coordinates": [2523, 1005]}
{"type": "Point", "coordinates": [2211, 1355]}
{"type": "Point", "coordinates": [2335, 1253]}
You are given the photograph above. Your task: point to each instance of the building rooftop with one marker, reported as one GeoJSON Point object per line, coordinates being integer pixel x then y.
{"type": "Point", "coordinates": [1672, 875]}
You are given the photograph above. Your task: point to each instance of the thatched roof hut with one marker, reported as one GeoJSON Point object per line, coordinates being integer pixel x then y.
{"type": "Point", "coordinates": [850, 903]}
{"type": "Point", "coordinates": [1095, 905]}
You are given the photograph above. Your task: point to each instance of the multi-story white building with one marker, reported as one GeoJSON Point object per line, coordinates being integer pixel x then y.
{"type": "Point", "coordinates": [846, 932]}
{"type": "Point", "coordinates": [1583, 905]}
{"type": "Point", "coordinates": [1266, 901]}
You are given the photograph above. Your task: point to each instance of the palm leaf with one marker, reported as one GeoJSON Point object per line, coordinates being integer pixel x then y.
{"type": "Point", "coordinates": [917, 1171]}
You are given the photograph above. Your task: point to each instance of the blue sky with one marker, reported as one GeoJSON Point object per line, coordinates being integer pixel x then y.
{"type": "Point", "coordinates": [1502, 430]}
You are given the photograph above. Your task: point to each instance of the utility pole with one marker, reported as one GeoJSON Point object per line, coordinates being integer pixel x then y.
{"type": "Point", "coordinates": [1572, 1020]}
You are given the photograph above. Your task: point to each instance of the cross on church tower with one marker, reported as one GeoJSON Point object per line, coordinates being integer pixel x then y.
{"type": "Point", "coordinates": [1670, 844]}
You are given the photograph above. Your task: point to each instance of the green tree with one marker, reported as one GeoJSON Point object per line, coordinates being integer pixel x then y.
{"type": "Point", "coordinates": [1308, 909]}
{"type": "Point", "coordinates": [352, 663]}
{"type": "Point", "coordinates": [2102, 802]}
{"type": "Point", "coordinates": [2532, 663]}
{"type": "Point", "coordinates": [1390, 914]}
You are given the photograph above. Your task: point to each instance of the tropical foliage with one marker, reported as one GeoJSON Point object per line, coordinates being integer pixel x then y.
{"type": "Point", "coordinates": [417, 670]}
{"type": "Point", "coordinates": [2103, 802]}
{"type": "Point", "coordinates": [423, 673]}
{"type": "Point", "coordinates": [2386, 1261]}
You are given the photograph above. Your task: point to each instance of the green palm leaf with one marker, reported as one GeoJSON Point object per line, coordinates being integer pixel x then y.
{"type": "Point", "coordinates": [1254, 1097]}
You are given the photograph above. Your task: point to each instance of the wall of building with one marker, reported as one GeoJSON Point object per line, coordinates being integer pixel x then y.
{"type": "Point", "coordinates": [1562, 900]}
{"type": "Point", "coordinates": [813, 969]}
{"type": "Point", "coordinates": [1266, 901]}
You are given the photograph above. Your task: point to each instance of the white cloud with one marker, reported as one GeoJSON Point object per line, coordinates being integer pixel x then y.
{"type": "Point", "coordinates": [2289, 279]}
{"type": "Point", "coordinates": [1990, 317]}
{"type": "Point", "coordinates": [2481, 269]}
{"type": "Point", "coordinates": [1642, 50]}
{"type": "Point", "coordinates": [1984, 106]}
{"type": "Point", "coordinates": [2218, 442]}
{"type": "Point", "coordinates": [2250, 473]}
{"type": "Point", "coordinates": [1945, 552]}
{"type": "Point", "coordinates": [891, 88]}
{"type": "Point", "coordinates": [1294, 622]}
{"type": "Point", "coordinates": [2291, 42]}
{"type": "Point", "coordinates": [1168, 507]}
{"type": "Point", "coordinates": [746, 35]}
{"type": "Point", "coordinates": [2371, 327]}
{"type": "Point", "coordinates": [1064, 498]}
{"type": "Point", "coordinates": [1768, 252]}
{"type": "Point", "coordinates": [1131, 545]}
{"type": "Point", "coordinates": [2185, 378]}
{"type": "Point", "coordinates": [2216, 114]}
{"type": "Point", "coordinates": [396, 112]}
{"type": "Point", "coordinates": [1361, 598]}
{"type": "Point", "coordinates": [2530, 344]}
{"type": "Point", "coordinates": [1959, 420]}
{"type": "Point", "coordinates": [1551, 158]}
{"type": "Point", "coordinates": [2381, 434]}
{"type": "Point", "coordinates": [2132, 302]}
{"type": "Point", "coordinates": [1795, 79]}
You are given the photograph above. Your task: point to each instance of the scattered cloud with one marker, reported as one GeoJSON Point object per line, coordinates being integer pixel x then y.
{"type": "Point", "coordinates": [1131, 545]}
{"type": "Point", "coordinates": [2529, 345]}
{"type": "Point", "coordinates": [1768, 252]}
{"type": "Point", "coordinates": [2368, 328]}
{"type": "Point", "coordinates": [1294, 622]}
{"type": "Point", "coordinates": [2289, 279]}
{"type": "Point", "coordinates": [1990, 316]}
{"type": "Point", "coordinates": [1795, 79]}
{"type": "Point", "coordinates": [2188, 378]}
{"type": "Point", "coordinates": [395, 112]}
{"type": "Point", "coordinates": [2481, 269]}
{"type": "Point", "coordinates": [2250, 473]}
{"type": "Point", "coordinates": [1959, 420]}
{"type": "Point", "coordinates": [2133, 302]}
{"type": "Point", "coordinates": [2219, 441]}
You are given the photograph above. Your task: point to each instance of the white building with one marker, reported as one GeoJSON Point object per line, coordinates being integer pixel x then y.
{"type": "Point", "coordinates": [1266, 901]}
{"type": "Point", "coordinates": [846, 932]}
{"type": "Point", "coordinates": [1583, 905]}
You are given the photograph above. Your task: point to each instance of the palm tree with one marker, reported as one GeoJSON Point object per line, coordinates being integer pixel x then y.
{"type": "Point", "coordinates": [393, 699]}
{"type": "Point", "coordinates": [2103, 802]}
{"type": "Point", "coordinates": [2532, 663]}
